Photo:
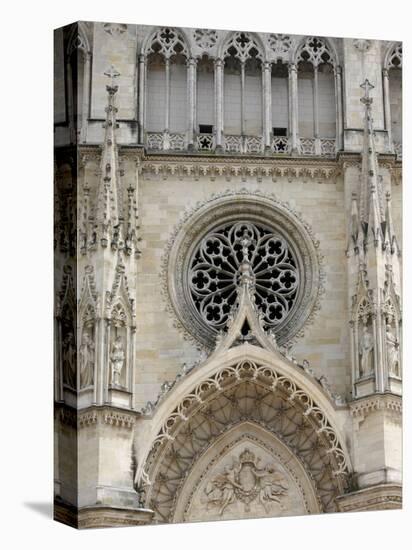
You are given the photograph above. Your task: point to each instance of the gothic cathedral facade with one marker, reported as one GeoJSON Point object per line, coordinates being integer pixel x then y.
{"type": "Point", "coordinates": [228, 274]}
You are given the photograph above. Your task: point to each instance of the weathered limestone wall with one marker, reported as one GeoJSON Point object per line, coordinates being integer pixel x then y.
{"type": "Point", "coordinates": [161, 348]}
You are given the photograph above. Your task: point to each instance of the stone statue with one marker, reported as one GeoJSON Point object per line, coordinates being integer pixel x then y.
{"type": "Point", "coordinates": [69, 360]}
{"type": "Point", "coordinates": [392, 347]}
{"type": "Point", "coordinates": [86, 361]}
{"type": "Point", "coordinates": [272, 486]}
{"type": "Point", "coordinates": [365, 350]}
{"type": "Point", "coordinates": [117, 358]}
{"type": "Point", "coordinates": [221, 490]}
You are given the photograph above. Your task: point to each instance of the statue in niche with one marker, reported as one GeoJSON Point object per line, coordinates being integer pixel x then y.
{"type": "Point", "coordinates": [365, 351]}
{"type": "Point", "coordinates": [69, 359]}
{"type": "Point", "coordinates": [86, 357]}
{"type": "Point", "coordinates": [117, 358]}
{"type": "Point", "coordinates": [392, 347]}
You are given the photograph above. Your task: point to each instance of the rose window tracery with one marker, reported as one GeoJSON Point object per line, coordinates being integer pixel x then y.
{"type": "Point", "coordinates": [205, 260]}
{"type": "Point", "coordinates": [215, 269]}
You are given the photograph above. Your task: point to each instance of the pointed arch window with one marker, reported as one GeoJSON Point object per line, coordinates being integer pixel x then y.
{"type": "Point", "coordinates": [166, 90]}
{"type": "Point", "coordinates": [392, 80]}
{"type": "Point", "coordinates": [243, 94]}
{"type": "Point", "coordinates": [78, 63]}
{"type": "Point", "coordinates": [205, 104]}
{"type": "Point", "coordinates": [317, 93]}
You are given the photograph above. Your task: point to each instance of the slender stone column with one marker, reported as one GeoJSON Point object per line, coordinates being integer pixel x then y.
{"type": "Point", "coordinates": [242, 98]}
{"type": "Point", "coordinates": [70, 102]}
{"type": "Point", "coordinates": [96, 365]}
{"type": "Point", "coordinates": [142, 93]}
{"type": "Point", "coordinates": [339, 112]}
{"type": "Point", "coordinates": [293, 107]}
{"type": "Point", "coordinates": [387, 106]}
{"type": "Point", "coordinates": [86, 95]}
{"type": "Point", "coordinates": [167, 109]}
{"type": "Point", "coordinates": [106, 365]}
{"type": "Point", "coordinates": [316, 109]}
{"type": "Point", "coordinates": [267, 111]}
{"type": "Point", "coordinates": [219, 103]}
{"type": "Point", "coordinates": [191, 89]}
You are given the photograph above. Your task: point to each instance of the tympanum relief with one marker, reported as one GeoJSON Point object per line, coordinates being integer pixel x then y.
{"type": "Point", "coordinates": [245, 483]}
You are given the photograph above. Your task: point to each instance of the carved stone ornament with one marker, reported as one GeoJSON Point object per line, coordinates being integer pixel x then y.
{"type": "Point", "coordinates": [201, 265]}
{"type": "Point", "coordinates": [395, 58]}
{"type": "Point", "coordinates": [167, 42]}
{"type": "Point", "coordinates": [280, 44]}
{"type": "Point", "coordinates": [115, 29]}
{"type": "Point", "coordinates": [242, 46]}
{"type": "Point", "coordinates": [205, 38]}
{"type": "Point", "coordinates": [362, 45]}
{"type": "Point", "coordinates": [246, 481]}
{"type": "Point", "coordinates": [315, 50]}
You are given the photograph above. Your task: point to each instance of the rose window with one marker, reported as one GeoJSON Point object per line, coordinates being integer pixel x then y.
{"type": "Point", "coordinates": [214, 273]}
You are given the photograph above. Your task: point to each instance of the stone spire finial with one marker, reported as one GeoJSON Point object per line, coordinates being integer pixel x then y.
{"type": "Point", "coordinates": [367, 86]}
{"type": "Point", "coordinates": [371, 212]}
{"type": "Point", "coordinates": [107, 216]}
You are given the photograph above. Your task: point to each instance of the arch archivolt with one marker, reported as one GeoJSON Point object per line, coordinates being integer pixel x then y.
{"type": "Point", "coordinates": [250, 387]}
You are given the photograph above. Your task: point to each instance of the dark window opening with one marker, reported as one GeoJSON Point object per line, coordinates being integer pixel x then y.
{"type": "Point", "coordinates": [280, 132]}
{"type": "Point", "coordinates": [205, 129]}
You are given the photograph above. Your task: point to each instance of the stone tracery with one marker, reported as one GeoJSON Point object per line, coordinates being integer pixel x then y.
{"type": "Point", "coordinates": [214, 273]}
{"type": "Point", "coordinates": [167, 42]}
{"type": "Point", "coordinates": [279, 220]}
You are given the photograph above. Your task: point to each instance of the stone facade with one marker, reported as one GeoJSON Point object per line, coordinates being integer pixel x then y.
{"type": "Point", "coordinates": [228, 320]}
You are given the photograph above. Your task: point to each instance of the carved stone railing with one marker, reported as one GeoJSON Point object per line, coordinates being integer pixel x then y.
{"type": "Point", "coordinates": [325, 147]}
{"type": "Point", "coordinates": [252, 144]}
{"type": "Point", "coordinates": [154, 141]}
{"type": "Point", "coordinates": [205, 142]}
{"type": "Point", "coordinates": [233, 144]}
{"type": "Point", "coordinates": [397, 146]}
{"type": "Point", "coordinates": [163, 141]}
{"type": "Point", "coordinates": [281, 144]}
{"type": "Point", "coordinates": [244, 144]}
{"type": "Point", "coordinates": [307, 146]}
{"type": "Point", "coordinates": [177, 142]}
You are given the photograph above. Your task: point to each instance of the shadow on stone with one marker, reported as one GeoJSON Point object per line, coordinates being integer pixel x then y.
{"type": "Point", "coordinates": [42, 508]}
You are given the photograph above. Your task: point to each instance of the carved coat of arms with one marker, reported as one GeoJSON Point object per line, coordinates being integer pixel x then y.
{"type": "Point", "coordinates": [245, 481]}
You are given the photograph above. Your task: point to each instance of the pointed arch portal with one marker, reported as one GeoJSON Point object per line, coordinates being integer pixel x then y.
{"type": "Point", "coordinates": [249, 402]}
